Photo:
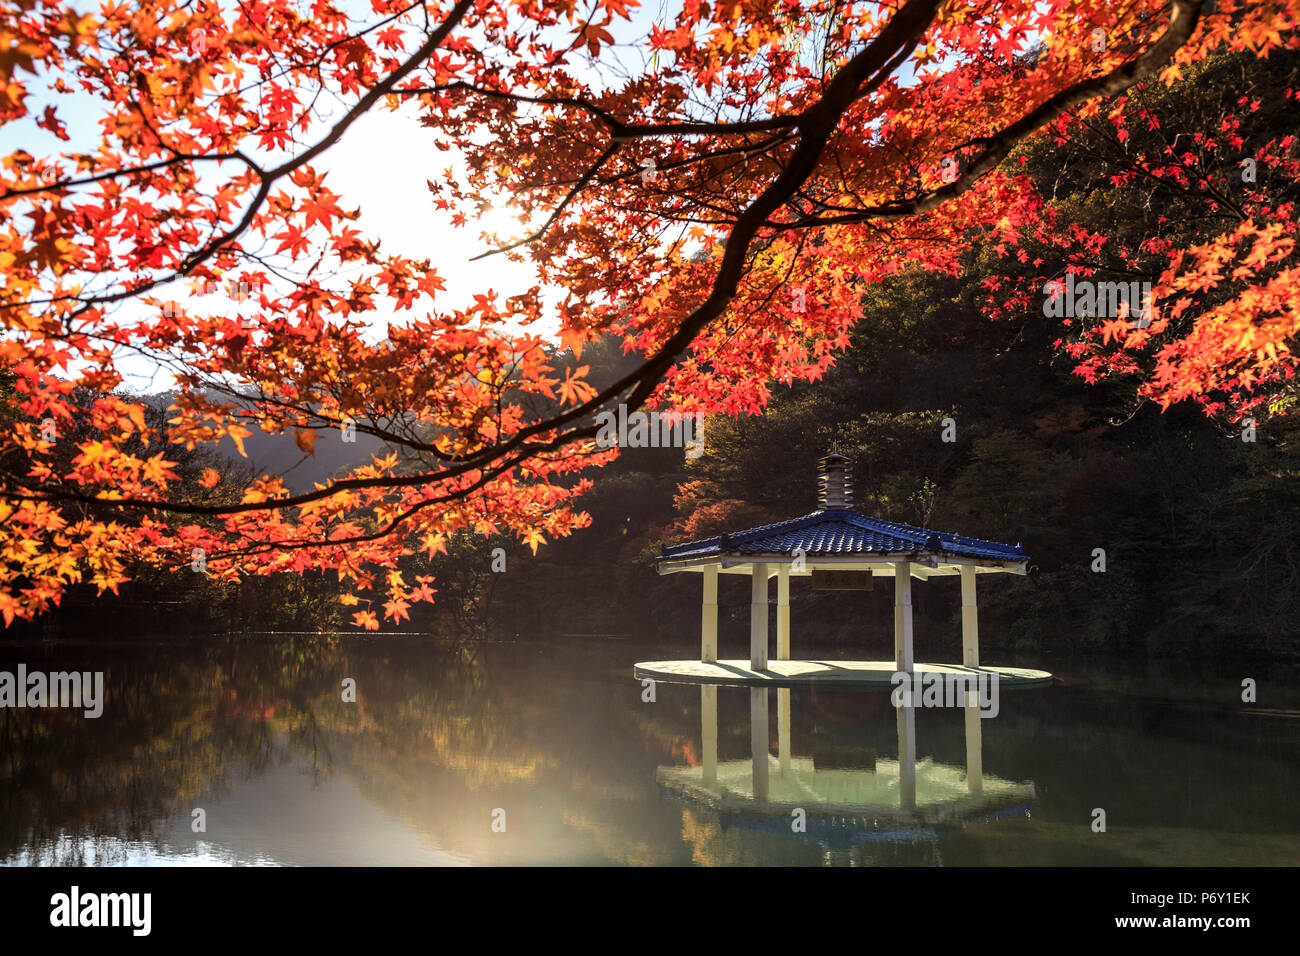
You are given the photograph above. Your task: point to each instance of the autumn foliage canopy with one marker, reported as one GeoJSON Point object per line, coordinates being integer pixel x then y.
{"type": "Point", "coordinates": [715, 184]}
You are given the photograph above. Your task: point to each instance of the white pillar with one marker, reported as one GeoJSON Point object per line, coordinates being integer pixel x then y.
{"type": "Point", "coordinates": [709, 732]}
{"type": "Point", "coordinates": [903, 660]}
{"type": "Point", "coordinates": [758, 618]}
{"type": "Point", "coordinates": [709, 617]}
{"type": "Point", "coordinates": [970, 622]}
{"type": "Point", "coordinates": [758, 741]}
{"type": "Point", "coordinates": [970, 618]}
{"type": "Point", "coordinates": [783, 613]}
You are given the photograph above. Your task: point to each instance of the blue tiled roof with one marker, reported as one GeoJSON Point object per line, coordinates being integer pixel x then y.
{"type": "Point", "coordinates": [838, 531]}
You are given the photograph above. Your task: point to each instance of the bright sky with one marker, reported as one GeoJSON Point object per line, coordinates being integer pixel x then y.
{"type": "Point", "coordinates": [382, 164]}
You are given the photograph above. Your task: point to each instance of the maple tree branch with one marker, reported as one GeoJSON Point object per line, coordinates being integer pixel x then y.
{"type": "Point", "coordinates": [395, 524]}
{"type": "Point", "coordinates": [910, 21]}
{"type": "Point", "coordinates": [903, 31]}
{"type": "Point", "coordinates": [176, 159]}
{"type": "Point", "coordinates": [525, 452]}
{"type": "Point", "coordinates": [179, 157]}
{"type": "Point", "coordinates": [1186, 14]}
{"type": "Point", "coordinates": [581, 184]}
{"type": "Point", "coordinates": [268, 178]}
{"type": "Point", "coordinates": [619, 129]}
{"type": "Point", "coordinates": [816, 127]}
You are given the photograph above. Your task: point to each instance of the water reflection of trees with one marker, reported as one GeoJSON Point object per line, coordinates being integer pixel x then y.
{"type": "Point", "coordinates": [440, 734]}
{"type": "Point", "coordinates": [178, 722]}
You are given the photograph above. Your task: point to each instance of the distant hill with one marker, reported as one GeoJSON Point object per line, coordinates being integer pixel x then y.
{"type": "Point", "coordinates": [280, 455]}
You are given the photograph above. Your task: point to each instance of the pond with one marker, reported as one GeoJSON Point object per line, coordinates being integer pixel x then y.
{"type": "Point", "coordinates": [244, 751]}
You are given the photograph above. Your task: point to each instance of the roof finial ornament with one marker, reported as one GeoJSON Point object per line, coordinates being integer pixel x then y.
{"type": "Point", "coordinates": [835, 483]}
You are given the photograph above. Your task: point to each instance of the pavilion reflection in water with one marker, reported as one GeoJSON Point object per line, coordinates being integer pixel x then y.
{"type": "Point", "coordinates": [857, 813]}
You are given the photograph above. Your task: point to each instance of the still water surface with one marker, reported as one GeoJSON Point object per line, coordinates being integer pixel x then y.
{"type": "Point", "coordinates": [556, 743]}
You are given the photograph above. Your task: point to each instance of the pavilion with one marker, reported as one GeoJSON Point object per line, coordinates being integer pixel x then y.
{"type": "Point", "coordinates": [836, 547]}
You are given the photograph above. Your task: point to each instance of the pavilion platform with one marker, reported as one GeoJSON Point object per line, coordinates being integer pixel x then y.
{"type": "Point", "coordinates": [787, 673]}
